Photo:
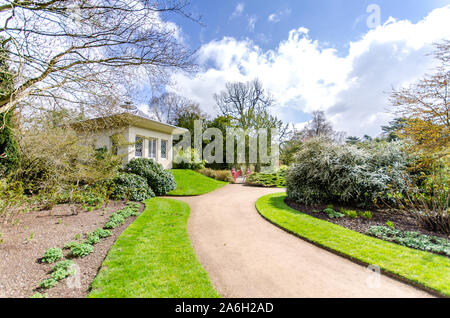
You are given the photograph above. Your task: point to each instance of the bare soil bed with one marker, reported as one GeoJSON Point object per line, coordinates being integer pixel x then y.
{"type": "Point", "coordinates": [360, 224]}
{"type": "Point", "coordinates": [26, 240]}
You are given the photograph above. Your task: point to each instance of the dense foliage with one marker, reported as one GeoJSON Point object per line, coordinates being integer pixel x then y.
{"type": "Point", "coordinates": [159, 180]}
{"type": "Point", "coordinates": [130, 186]}
{"type": "Point", "coordinates": [415, 240]}
{"type": "Point", "coordinates": [270, 180]}
{"type": "Point", "coordinates": [324, 172]}
{"type": "Point", "coordinates": [220, 175]}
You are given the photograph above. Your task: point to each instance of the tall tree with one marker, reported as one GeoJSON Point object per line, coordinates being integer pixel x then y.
{"type": "Point", "coordinates": [249, 106]}
{"type": "Point", "coordinates": [319, 126]}
{"type": "Point", "coordinates": [170, 107]}
{"type": "Point", "coordinates": [9, 152]}
{"type": "Point", "coordinates": [425, 106]}
{"type": "Point", "coordinates": [57, 47]}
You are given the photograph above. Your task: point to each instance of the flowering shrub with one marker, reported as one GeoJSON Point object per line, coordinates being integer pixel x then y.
{"type": "Point", "coordinates": [324, 172]}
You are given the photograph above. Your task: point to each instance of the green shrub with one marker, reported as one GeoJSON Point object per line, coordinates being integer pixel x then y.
{"type": "Point", "coordinates": [81, 250]}
{"type": "Point", "coordinates": [333, 214]}
{"type": "Point", "coordinates": [115, 220]}
{"type": "Point", "coordinates": [69, 245]}
{"type": "Point", "coordinates": [272, 180]}
{"type": "Point", "coordinates": [415, 240]}
{"type": "Point", "coordinates": [159, 180]}
{"type": "Point", "coordinates": [92, 239]}
{"type": "Point", "coordinates": [52, 255]}
{"type": "Point", "coordinates": [39, 295]}
{"type": "Point", "coordinates": [102, 233]}
{"type": "Point", "coordinates": [220, 175]}
{"type": "Point", "coordinates": [48, 283]}
{"type": "Point", "coordinates": [350, 213]}
{"type": "Point", "coordinates": [188, 160]}
{"type": "Point", "coordinates": [324, 172]}
{"type": "Point", "coordinates": [366, 215]}
{"type": "Point", "coordinates": [131, 186]}
{"type": "Point", "coordinates": [62, 273]}
{"type": "Point", "coordinates": [63, 265]}
{"type": "Point", "coordinates": [390, 225]}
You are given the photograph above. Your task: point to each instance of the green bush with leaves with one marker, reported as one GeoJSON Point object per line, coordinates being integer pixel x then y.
{"type": "Point", "coordinates": [81, 250]}
{"type": "Point", "coordinates": [159, 180]}
{"type": "Point", "coordinates": [66, 264]}
{"type": "Point", "coordinates": [268, 180]}
{"type": "Point", "coordinates": [92, 239]}
{"type": "Point", "coordinates": [48, 283]}
{"type": "Point", "coordinates": [102, 233]}
{"type": "Point", "coordinates": [62, 273]}
{"type": "Point", "coordinates": [324, 172]}
{"type": "Point", "coordinates": [333, 214]}
{"type": "Point", "coordinates": [52, 255]}
{"type": "Point", "coordinates": [415, 240]}
{"type": "Point", "coordinates": [132, 187]}
{"type": "Point", "coordinates": [350, 213]}
{"type": "Point", "coordinates": [188, 160]}
{"type": "Point", "coordinates": [220, 175]}
{"type": "Point", "coordinates": [69, 245]}
{"type": "Point", "coordinates": [115, 220]}
{"type": "Point", "coordinates": [39, 295]}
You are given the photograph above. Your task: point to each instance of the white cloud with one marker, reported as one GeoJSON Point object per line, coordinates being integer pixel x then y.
{"type": "Point", "coordinates": [276, 16]}
{"type": "Point", "coordinates": [238, 10]}
{"type": "Point", "coordinates": [304, 75]}
{"type": "Point", "coordinates": [252, 22]}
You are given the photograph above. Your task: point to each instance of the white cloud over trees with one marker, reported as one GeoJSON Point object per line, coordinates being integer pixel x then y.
{"type": "Point", "coordinates": [305, 75]}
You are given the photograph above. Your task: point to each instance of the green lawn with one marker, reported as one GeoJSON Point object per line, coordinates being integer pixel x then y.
{"type": "Point", "coordinates": [153, 258]}
{"type": "Point", "coordinates": [191, 183]}
{"type": "Point", "coordinates": [429, 270]}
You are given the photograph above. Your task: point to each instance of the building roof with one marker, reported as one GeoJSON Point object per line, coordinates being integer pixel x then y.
{"type": "Point", "coordinates": [128, 119]}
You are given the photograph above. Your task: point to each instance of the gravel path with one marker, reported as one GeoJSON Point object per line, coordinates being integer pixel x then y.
{"type": "Point", "coordinates": [248, 257]}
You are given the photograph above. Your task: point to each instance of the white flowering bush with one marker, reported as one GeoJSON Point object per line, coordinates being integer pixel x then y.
{"type": "Point", "coordinates": [325, 173]}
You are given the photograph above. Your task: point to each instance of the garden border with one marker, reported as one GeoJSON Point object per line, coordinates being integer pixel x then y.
{"type": "Point", "coordinates": [346, 256]}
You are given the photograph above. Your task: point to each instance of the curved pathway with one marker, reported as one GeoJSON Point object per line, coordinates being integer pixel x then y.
{"type": "Point", "coordinates": [248, 257]}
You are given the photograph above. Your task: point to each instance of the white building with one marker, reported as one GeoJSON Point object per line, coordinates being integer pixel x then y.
{"type": "Point", "coordinates": [142, 136]}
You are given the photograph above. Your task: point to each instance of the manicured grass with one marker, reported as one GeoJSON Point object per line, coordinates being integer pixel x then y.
{"type": "Point", "coordinates": [153, 258]}
{"type": "Point", "coordinates": [191, 183]}
{"type": "Point", "coordinates": [429, 270]}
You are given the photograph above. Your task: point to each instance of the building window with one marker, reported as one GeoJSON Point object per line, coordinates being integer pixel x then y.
{"type": "Point", "coordinates": [164, 149]}
{"type": "Point", "coordinates": [139, 147]}
{"type": "Point", "coordinates": [152, 148]}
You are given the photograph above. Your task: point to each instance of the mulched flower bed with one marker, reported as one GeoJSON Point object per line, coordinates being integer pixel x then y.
{"type": "Point", "coordinates": [360, 224]}
{"type": "Point", "coordinates": [26, 240]}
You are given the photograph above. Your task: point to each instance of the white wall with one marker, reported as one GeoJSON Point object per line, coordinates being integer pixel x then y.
{"type": "Point", "coordinates": [103, 139]}
{"type": "Point", "coordinates": [150, 134]}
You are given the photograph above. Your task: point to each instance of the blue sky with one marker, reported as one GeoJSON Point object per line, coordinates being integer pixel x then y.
{"type": "Point", "coordinates": [313, 55]}
{"type": "Point", "coordinates": [330, 21]}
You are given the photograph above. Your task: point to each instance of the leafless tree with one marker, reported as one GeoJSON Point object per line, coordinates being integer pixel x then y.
{"type": "Point", "coordinates": [319, 126]}
{"type": "Point", "coordinates": [66, 49]}
{"type": "Point", "coordinates": [167, 107]}
{"type": "Point", "coordinates": [248, 105]}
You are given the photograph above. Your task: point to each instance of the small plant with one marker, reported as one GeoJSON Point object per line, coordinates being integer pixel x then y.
{"type": "Point", "coordinates": [415, 240]}
{"type": "Point", "coordinates": [1, 238]}
{"type": "Point", "coordinates": [48, 283]}
{"type": "Point", "coordinates": [81, 250]}
{"type": "Point", "coordinates": [350, 213]}
{"type": "Point", "coordinates": [77, 237]}
{"type": "Point", "coordinates": [333, 214]}
{"type": "Point", "coordinates": [69, 245]}
{"type": "Point", "coordinates": [102, 233]}
{"type": "Point", "coordinates": [115, 221]}
{"type": "Point", "coordinates": [366, 215]}
{"type": "Point", "coordinates": [63, 265]}
{"type": "Point", "coordinates": [59, 221]}
{"type": "Point", "coordinates": [390, 225]}
{"type": "Point", "coordinates": [39, 295]}
{"type": "Point", "coordinates": [30, 237]}
{"type": "Point", "coordinates": [93, 239]}
{"type": "Point", "coordinates": [89, 209]}
{"type": "Point", "coordinates": [52, 255]}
